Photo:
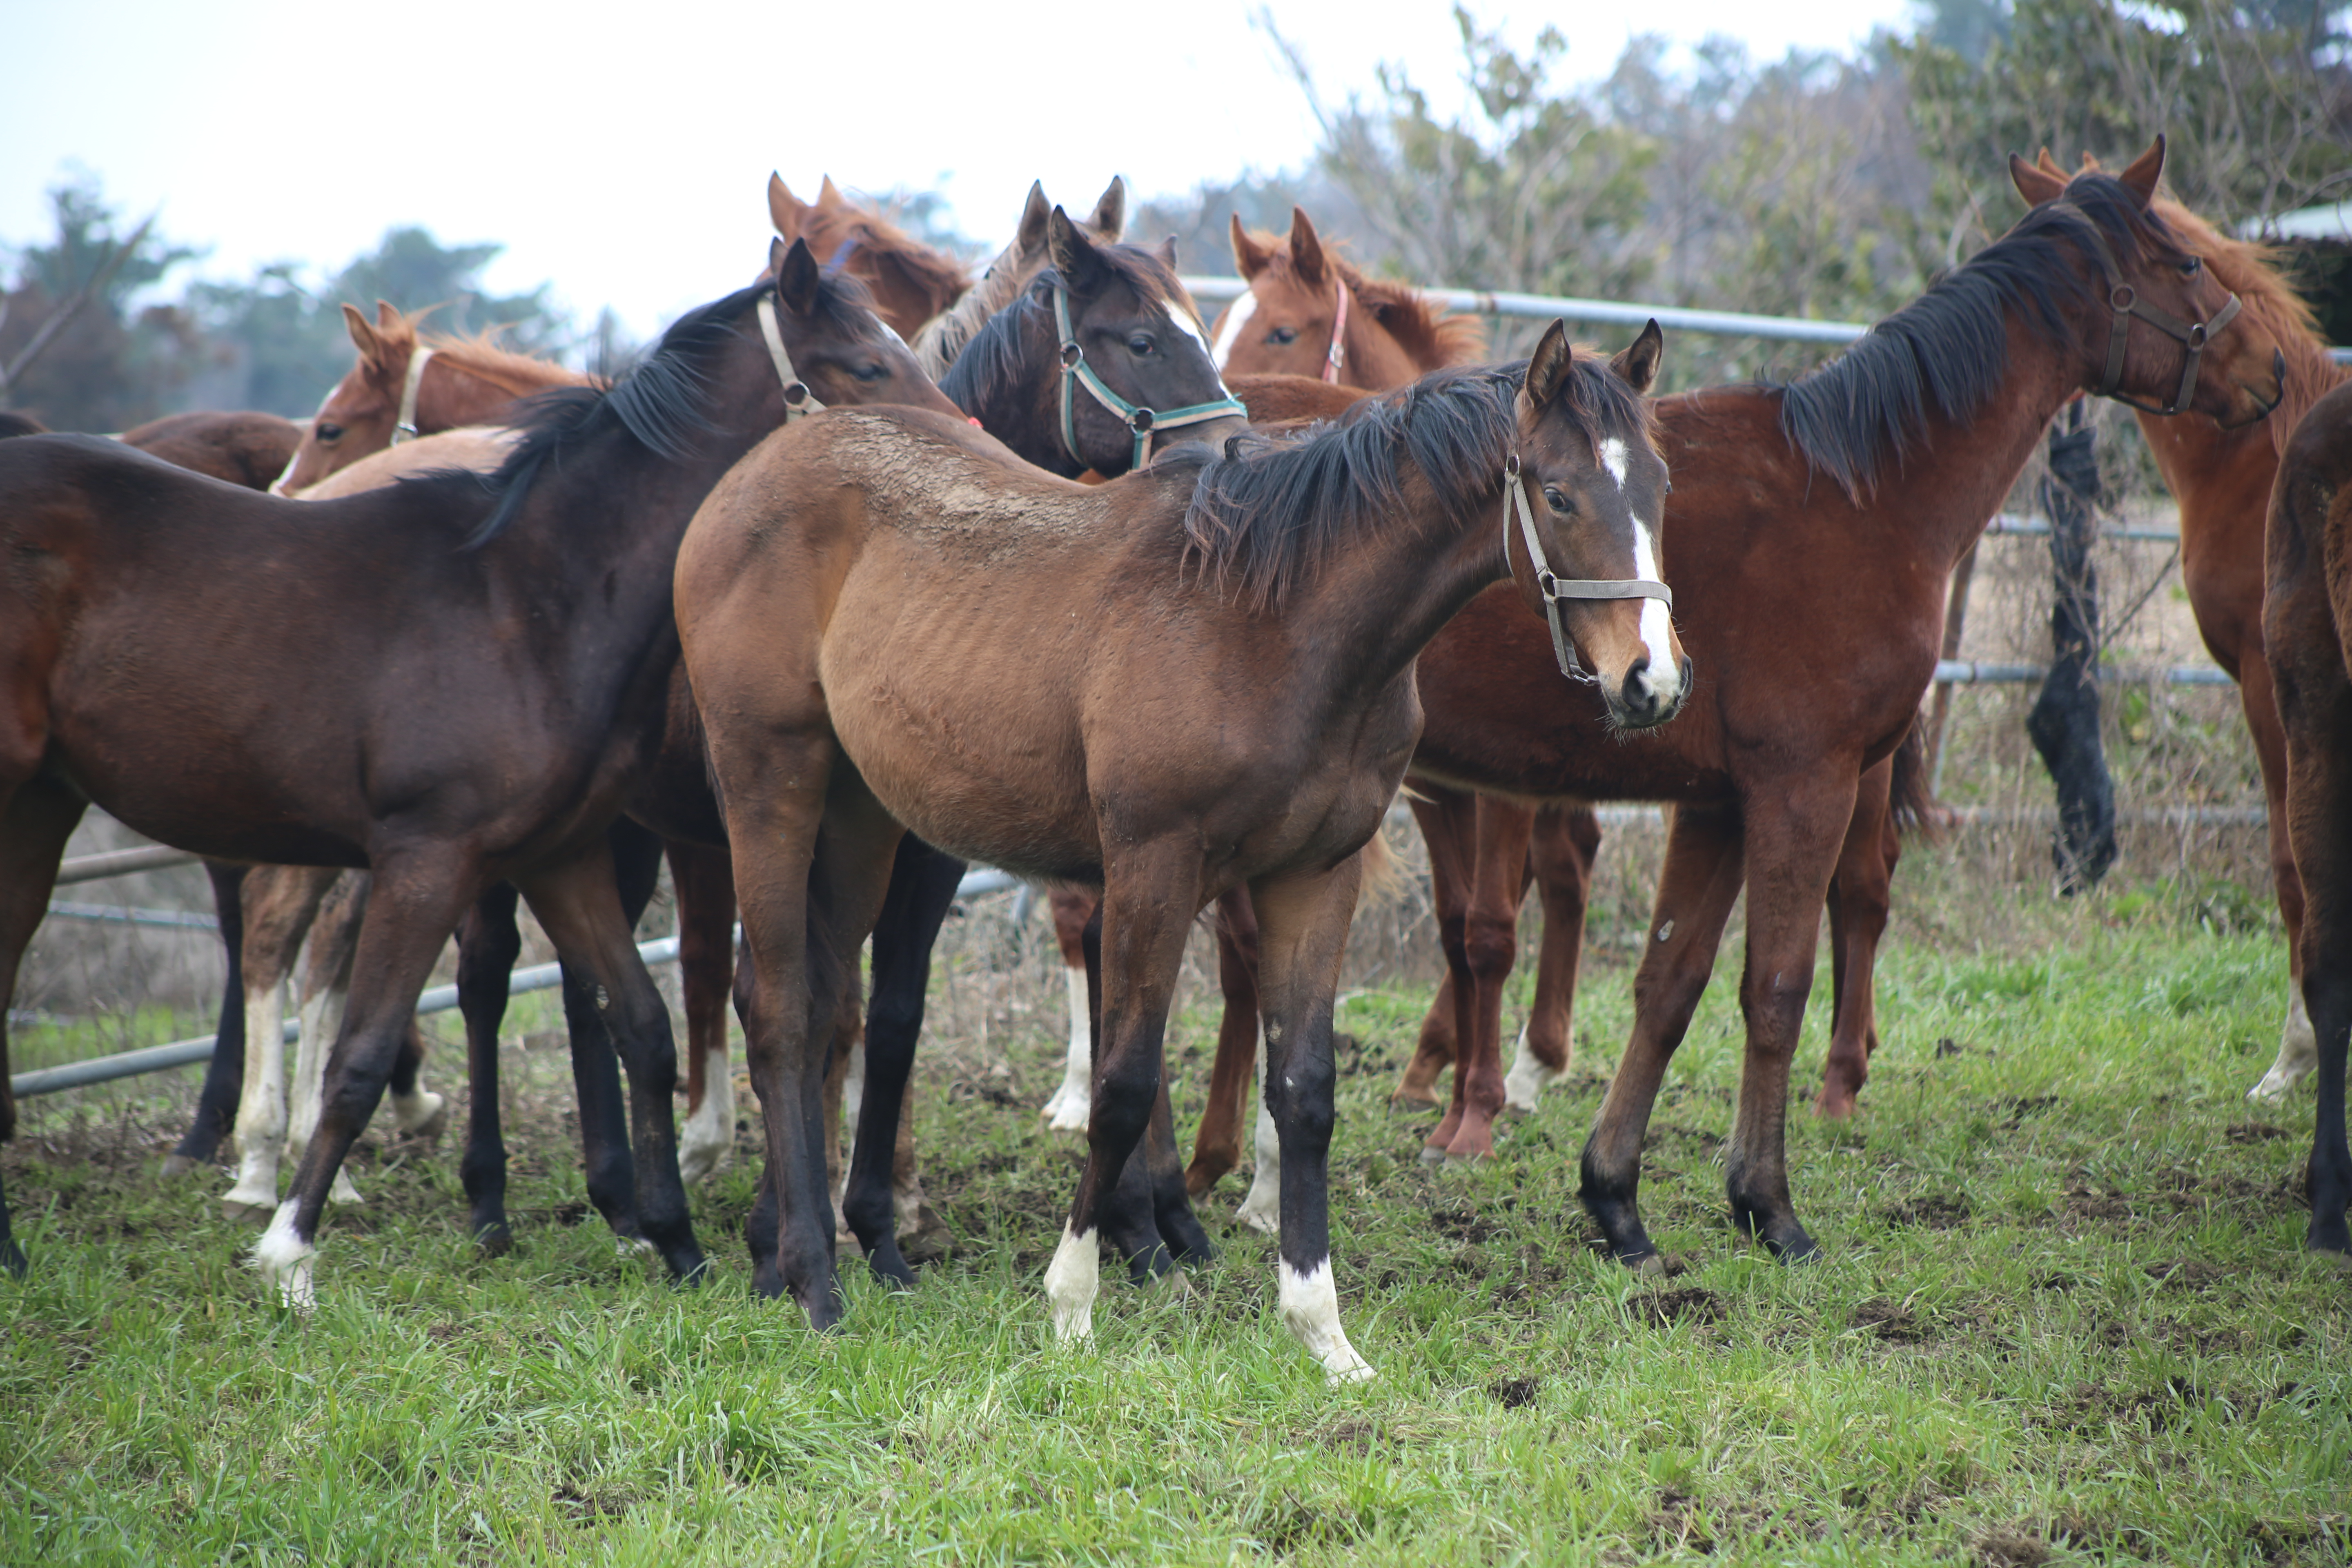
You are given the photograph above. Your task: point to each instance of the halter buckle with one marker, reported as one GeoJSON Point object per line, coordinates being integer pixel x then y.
{"type": "Point", "coordinates": [1073, 356]}
{"type": "Point", "coordinates": [1141, 421]}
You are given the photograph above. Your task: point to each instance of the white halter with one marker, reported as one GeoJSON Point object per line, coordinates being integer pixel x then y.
{"type": "Point", "coordinates": [798, 399]}
{"type": "Point", "coordinates": [405, 430]}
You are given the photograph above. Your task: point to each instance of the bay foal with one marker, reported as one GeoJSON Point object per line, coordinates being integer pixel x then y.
{"type": "Point", "coordinates": [1222, 695]}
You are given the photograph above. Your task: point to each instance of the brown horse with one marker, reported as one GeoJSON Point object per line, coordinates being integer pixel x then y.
{"type": "Point", "coordinates": [911, 282]}
{"type": "Point", "coordinates": [248, 447]}
{"type": "Point", "coordinates": [1836, 504]}
{"type": "Point", "coordinates": [2308, 637]}
{"type": "Point", "coordinates": [1233, 705]}
{"type": "Point", "coordinates": [2222, 479]}
{"type": "Point", "coordinates": [465, 692]}
{"type": "Point", "coordinates": [943, 337]}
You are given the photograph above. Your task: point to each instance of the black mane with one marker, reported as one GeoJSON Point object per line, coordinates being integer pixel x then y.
{"type": "Point", "coordinates": [1271, 507]}
{"type": "Point", "coordinates": [992, 365]}
{"type": "Point", "coordinates": [1948, 350]}
{"type": "Point", "coordinates": [663, 404]}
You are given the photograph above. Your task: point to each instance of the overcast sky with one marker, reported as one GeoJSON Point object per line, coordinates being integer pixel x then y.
{"type": "Point", "coordinates": [622, 153]}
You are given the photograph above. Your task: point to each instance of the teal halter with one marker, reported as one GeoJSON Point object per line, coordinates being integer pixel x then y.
{"type": "Point", "coordinates": [1143, 422]}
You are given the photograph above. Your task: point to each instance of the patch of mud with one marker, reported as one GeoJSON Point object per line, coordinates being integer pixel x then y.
{"type": "Point", "coordinates": [1663, 1309]}
{"type": "Point", "coordinates": [1516, 1392]}
{"type": "Point", "coordinates": [1930, 1212]}
{"type": "Point", "coordinates": [1893, 1321]}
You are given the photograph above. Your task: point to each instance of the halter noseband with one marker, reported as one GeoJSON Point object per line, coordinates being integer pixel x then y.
{"type": "Point", "coordinates": [1554, 589]}
{"type": "Point", "coordinates": [798, 399]}
{"type": "Point", "coordinates": [1335, 358]}
{"type": "Point", "coordinates": [405, 429]}
{"type": "Point", "coordinates": [2123, 301]}
{"type": "Point", "coordinates": [1143, 422]}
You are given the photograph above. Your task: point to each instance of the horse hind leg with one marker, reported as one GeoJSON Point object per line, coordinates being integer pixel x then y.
{"type": "Point", "coordinates": [704, 879]}
{"type": "Point", "coordinates": [1488, 948]}
{"type": "Point", "coordinates": [1217, 1145]}
{"type": "Point", "coordinates": [1072, 1103]}
{"type": "Point", "coordinates": [280, 904]}
{"type": "Point", "coordinates": [35, 820]}
{"type": "Point", "coordinates": [1560, 861]}
{"type": "Point", "coordinates": [1858, 902]}
{"type": "Point", "coordinates": [224, 1086]}
{"type": "Point", "coordinates": [2298, 1052]}
{"type": "Point", "coordinates": [1448, 821]}
{"type": "Point", "coordinates": [326, 977]}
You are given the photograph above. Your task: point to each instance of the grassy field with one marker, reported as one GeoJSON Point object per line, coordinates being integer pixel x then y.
{"type": "Point", "coordinates": [2064, 1317]}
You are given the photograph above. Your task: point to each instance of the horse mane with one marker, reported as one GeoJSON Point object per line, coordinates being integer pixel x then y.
{"type": "Point", "coordinates": [1948, 350]}
{"type": "Point", "coordinates": [1272, 508]}
{"type": "Point", "coordinates": [991, 365]}
{"type": "Point", "coordinates": [661, 403]}
{"type": "Point", "coordinates": [2251, 270]}
{"type": "Point", "coordinates": [516, 374]}
{"type": "Point", "coordinates": [1428, 332]}
{"type": "Point", "coordinates": [946, 335]}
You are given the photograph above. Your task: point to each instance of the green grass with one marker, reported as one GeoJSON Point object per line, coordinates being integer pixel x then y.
{"type": "Point", "coordinates": [2064, 1317]}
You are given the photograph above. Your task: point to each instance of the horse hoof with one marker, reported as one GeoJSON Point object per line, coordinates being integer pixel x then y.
{"type": "Point", "coordinates": [1831, 1107]}
{"type": "Point", "coordinates": [1658, 1265]}
{"type": "Point", "coordinates": [179, 1165]}
{"type": "Point", "coordinates": [12, 1260]}
{"type": "Point", "coordinates": [494, 1241]}
{"type": "Point", "coordinates": [424, 1118]}
{"type": "Point", "coordinates": [1432, 1154]}
{"type": "Point", "coordinates": [250, 1212]}
{"type": "Point", "coordinates": [1408, 1104]}
{"type": "Point", "coordinates": [1466, 1159]}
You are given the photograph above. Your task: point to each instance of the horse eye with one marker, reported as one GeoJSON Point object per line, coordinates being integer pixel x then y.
{"type": "Point", "coordinates": [1282, 337]}
{"type": "Point", "coordinates": [2193, 266]}
{"type": "Point", "coordinates": [1554, 500]}
{"type": "Point", "coordinates": [1139, 345]}
{"type": "Point", "coordinates": [872, 371]}
{"type": "Point", "coordinates": [327, 433]}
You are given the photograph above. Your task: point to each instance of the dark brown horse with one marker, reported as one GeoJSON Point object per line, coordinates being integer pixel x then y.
{"type": "Point", "coordinates": [2222, 479]}
{"type": "Point", "coordinates": [1829, 511]}
{"type": "Point", "coordinates": [2307, 634]}
{"type": "Point", "coordinates": [248, 447]}
{"type": "Point", "coordinates": [464, 691]}
{"type": "Point", "coordinates": [1232, 704]}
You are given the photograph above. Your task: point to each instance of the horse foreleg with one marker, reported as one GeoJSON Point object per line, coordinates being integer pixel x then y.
{"type": "Point", "coordinates": [1792, 851]}
{"type": "Point", "coordinates": [35, 819]}
{"type": "Point", "coordinates": [1069, 1108]}
{"type": "Point", "coordinates": [1217, 1146]}
{"type": "Point", "coordinates": [921, 890]}
{"type": "Point", "coordinates": [1303, 934]}
{"type": "Point", "coordinates": [488, 943]}
{"type": "Point", "coordinates": [418, 900]}
{"type": "Point", "coordinates": [1489, 946]}
{"type": "Point", "coordinates": [1559, 862]}
{"type": "Point", "coordinates": [1696, 886]}
{"type": "Point", "coordinates": [1449, 826]}
{"type": "Point", "coordinates": [704, 879]}
{"type": "Point", "coordinates": [1151, 894]}
{"type": "Point", "coordinates": [1858, 904]}
{"type": "Point", "coordinates": [583, 910]}
{"type": "Point", "coordinates": [281, 903]}
{"type": "Point", "coordinates": [225, 1072]}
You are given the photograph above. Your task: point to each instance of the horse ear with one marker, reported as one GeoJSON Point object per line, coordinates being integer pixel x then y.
{"type": "Point", "coordinates": [2036, 185]}
{"type": "Point", "coordinates": [785, 210]}
{"type": "Point", "coordinates": [1109, 221]}
{"type": "Point", "coordinates": [2144, 171]}
{"type": "Point", "coordinates": [364, 336]}
{"type": "Point", "coordinates": [1074, 254]}
{"type": "Point", "coordinates": [387, 316]}
{"type": "Point", "coordinates": [1250, 256]}
{"type": "Point", "coordinates": [1637, 365]}
{"type": "Point", "coordinates": [1030, 237]}
{"type": "Point", "coordinates": [1166, 251]}
{"type": "Point", "coordinates": [827, 194]}
{"type": "Point", "coordinates": [1548, 366]}
{"type": "Point", "coordinates": [797, 277]}
{"type": "Point", "coordinates": [2049, 165]}
{"type": "Point", "coordinates": [1305, 248]}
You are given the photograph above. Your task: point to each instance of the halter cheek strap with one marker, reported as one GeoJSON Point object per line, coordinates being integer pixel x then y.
{"type": "Point", "coordinates": [1335, 358]}
{"type": "Point", "coordinates": [2125, 303]}
{"type": "Point", "coordinates": [798, 399]}
{"type": "Point", "coordinates": [405, 428]}
{"type": "Point", "coordinates": [1143, 421]}
{"type": "Point", "coordinates": [1554, 589]}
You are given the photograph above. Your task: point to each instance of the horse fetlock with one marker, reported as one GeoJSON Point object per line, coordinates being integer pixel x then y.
{"type": "Point", "coordinates": [1072, 1281]}
{"type": "Point", "coordinates": [1529, 1076]}
{"type": "Point", "coordinates": [12, 1258]}
{"type": "Point", "coordinates": [1614, 1202]}
{"type": "Point", "coordinates": [1310, 1311]}
{"type": "Point", "coordinates": [344, 1192]}
{"type": "Point", "coordinates": [420, 1115]}
{"type": "Point", "coordinates": [2298, 1053]}
{"type": "Point", "coordinates": [286, 1258]}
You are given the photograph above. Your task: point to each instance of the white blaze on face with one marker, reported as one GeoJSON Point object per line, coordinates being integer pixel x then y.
{"type": "Point", "coordinates": [1071, 1281]}
{"type": "Point", "coordinates": [1181, 319]}
{"type": "Point", "coordinates": [1229, 335]}
{"type": "Point", "coordinates": [1612, 457]}
{"type": "Point", "coordinates": [1657, 627]}
{"type": "Point", "coordinates": [1310, 1309]}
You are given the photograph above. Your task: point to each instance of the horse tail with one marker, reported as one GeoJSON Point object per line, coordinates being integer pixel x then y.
{"type": "Point", "coordinates": [1916, 810]}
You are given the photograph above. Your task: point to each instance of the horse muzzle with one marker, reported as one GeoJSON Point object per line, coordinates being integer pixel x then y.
{"type": "Point", "coordinates": [1647, 698]}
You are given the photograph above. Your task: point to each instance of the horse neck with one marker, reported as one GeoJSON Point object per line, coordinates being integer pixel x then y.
{"type": "Point", "coordinates": [1027, 415]}
{"type": "Point", "coordinates": [1378, 359]}
{"type": "Point", "coordinates": [450, 395]}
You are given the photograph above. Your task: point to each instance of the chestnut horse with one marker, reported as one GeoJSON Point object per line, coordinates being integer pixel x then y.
{"type": "Point", "coordinates": [1837, 503]}
{"type": "Point", "coordinates": [466, 692]}
{"type": "Point", "coordinates": [859, 607]}
{"type": "Point", "coordinates": [1309, 311]}
{"type": "Point", "coordinates": [405, 385]}
{"type": "Point", "coordinates": [911, 282]}
{"type": "Point", "coordinates": [2308, 637]}
{"type": "Point", "coordinates": [2222, 479]}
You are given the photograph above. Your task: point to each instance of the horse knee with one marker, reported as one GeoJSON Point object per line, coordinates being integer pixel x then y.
{"type": "Point", "coordinates": [1490, 946]}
